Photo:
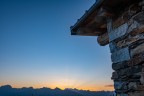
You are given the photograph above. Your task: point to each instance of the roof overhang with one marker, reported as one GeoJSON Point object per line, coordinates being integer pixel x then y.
{"type": "Point", "coordinates": [94, 21]}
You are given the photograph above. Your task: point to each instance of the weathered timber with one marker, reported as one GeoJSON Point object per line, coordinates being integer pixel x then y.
{"type": "Point", "coordinates": [90, 32]}
{"type": "Point", "coordinates": [139, 49]}
{"type": "Point", "coordinates": [139, 59]}
{"type": "Point", "coordinates": [105, 13]}
{"type": "Point", "coordinates": [103, 39]}
{"type": "Point", "coordinates": [118, 22]}
{"type": "Point", "coordinates": [120, 55]}
{"type": "Point", "coordinates": [130, 40]}
{"type": "Point", "coordinates": [118, 32]}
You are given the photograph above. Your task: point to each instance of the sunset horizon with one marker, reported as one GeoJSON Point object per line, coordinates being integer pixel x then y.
{"type": "Point", "coordinates": [35, 87]}
{"type": "Point", "coordinates": [37, 49]}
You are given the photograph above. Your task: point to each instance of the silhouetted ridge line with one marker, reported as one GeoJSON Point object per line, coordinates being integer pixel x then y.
{"type": "Point", "coordinates": [7, 90]}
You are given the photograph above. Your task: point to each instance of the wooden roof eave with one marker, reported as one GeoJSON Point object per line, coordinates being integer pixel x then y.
{"type": "Point", "coordinates": [93, 18]}
{"type": "Point", "coordinates": [75, 27]}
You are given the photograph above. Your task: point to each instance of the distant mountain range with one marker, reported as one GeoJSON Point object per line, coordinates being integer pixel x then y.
{"type": "Point", "coordinates": [7, 90]}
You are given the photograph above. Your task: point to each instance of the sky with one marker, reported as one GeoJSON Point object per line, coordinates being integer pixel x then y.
{"type": "Point", "coordinates": [37, 49]}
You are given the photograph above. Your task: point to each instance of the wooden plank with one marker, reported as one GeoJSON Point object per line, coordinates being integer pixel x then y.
{"type": "Point", "coordinates": [120, 55]}
{"type": "Point", "coordinates": [139, 49]}
{"type": "Point", "coordinates": [103, 39]}
{"type": "Point", "coordinates": [118, 32]}
{"type": "Point", "coordinates": [87, 31]}
{"type": "Point", "coordinates": [118, 22]}
{"type": "Point", "coordinates": [104, 13]}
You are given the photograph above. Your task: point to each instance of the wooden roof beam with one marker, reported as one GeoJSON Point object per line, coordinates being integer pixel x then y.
{"type": "Point", "coordinates": [103, 39]}
{"type": "Point", "coordinates": [90, 32]}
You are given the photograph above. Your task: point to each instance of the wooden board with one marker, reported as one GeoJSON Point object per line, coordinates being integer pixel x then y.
{"type": "Point", "coordinates": [103, 39]}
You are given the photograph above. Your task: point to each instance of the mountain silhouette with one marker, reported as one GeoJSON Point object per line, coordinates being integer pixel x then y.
{"type": "Point", "coordinates": [7, 90]}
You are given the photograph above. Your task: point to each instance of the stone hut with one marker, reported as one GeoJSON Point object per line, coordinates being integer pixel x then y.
{"type": "Point", "coordinates": [119, 23]}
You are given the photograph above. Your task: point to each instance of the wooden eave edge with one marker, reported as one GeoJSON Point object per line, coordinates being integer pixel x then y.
{"type": "Point", "coordinates": [85, 16]}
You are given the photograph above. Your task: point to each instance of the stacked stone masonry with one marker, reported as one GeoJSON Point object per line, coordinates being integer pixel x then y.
{"type": "Point", "coordinates": [126, 41]}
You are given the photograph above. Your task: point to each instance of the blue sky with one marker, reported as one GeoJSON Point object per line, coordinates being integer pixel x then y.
{"type": "Point", "coordinates": [36, 48]}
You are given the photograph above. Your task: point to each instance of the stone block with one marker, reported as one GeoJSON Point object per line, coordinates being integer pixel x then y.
{"type": "Point", "coordinates": [118, 32]}
{"type": "Point", "coordinates": [138, 50]}
{"type": "Point", "coordinates": [120, 85]}
{"type": "Point", "coordinates": [120, 55]}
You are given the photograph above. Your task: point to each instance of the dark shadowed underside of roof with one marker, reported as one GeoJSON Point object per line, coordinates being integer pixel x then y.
{"type": "Point", "coordinates": [93, 22]}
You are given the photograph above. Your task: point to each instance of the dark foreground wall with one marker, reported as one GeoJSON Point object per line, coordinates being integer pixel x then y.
{"type": "Point", "coordinates": [126, 37]}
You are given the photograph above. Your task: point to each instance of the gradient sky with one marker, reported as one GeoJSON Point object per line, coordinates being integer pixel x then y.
{"type": "Point", "coordinates": [36, 48]}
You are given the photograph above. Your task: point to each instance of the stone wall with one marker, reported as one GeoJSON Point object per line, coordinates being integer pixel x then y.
{"type": "Point", "coordinates": [126, 37]}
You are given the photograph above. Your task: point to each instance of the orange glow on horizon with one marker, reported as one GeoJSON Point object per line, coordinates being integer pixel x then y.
{"type": "Point", "coordinates": [91, 88]}
{"type": "Point", "coordinates": [62, 84]}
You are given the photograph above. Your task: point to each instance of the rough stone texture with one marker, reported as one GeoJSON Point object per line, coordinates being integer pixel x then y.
{"type": "Point", "coordinates": [139, 59]}
{"type": "Point", "coordinates": [126, 34]}
{"type": "Point", "coordinates": [139, 49]}
{"type": "Point", "coordinates": [120, 55]}
{"type": "Point", "coordinates": [113, 47]}
{"type": "Point", "coordinates": [118, 32]}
